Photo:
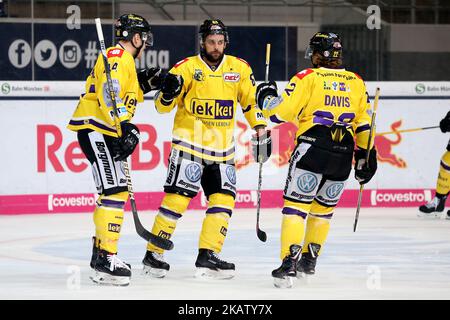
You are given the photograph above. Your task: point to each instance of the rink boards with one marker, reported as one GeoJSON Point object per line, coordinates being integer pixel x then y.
{"type": "Point", "coordinates": [44, 171]}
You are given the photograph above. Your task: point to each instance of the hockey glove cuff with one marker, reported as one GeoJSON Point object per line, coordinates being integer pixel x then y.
{"type": "Point", "coordinates": [171, 86]}
{"type": "Point", "coordinates": [264, 92]}
{"type": "Point", "coordinates": [149, 79]}
{"type": "Point", "coordinates": [365, 171]}
{"type": "Point", "coordinates": [125, 145]}
{"type": "Point", "coordinates": [445, 124]}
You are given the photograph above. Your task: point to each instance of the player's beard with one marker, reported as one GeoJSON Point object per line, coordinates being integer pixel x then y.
{"type": "Point", "coordinates": [213, 57]}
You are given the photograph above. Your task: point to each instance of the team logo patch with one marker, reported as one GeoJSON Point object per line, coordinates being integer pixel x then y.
{"type": "Point", "coordinates": [193, 172]}
{"type": "Point", "coordinates": [307, 182]}
{"type": "Point", "coordinates": [334, 190]}
{"type": "Point", "coordinates": [231, 174]}
{"type": "Point", "coordinates": [198, 75]}
{"type": "Point", "coordinates": [231, 77]}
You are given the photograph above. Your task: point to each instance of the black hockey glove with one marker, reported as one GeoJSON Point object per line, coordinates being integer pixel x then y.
{"type": "Point", "coordinates": [125, 145]}
{"type": "Point", "coordinates": [445, 123]}
{"type": "Point", "coordinates": [262, 146]}
{"type": "Point", "coordinates": [149, 79]}
{"type": "Point", "coordinates": [171, 86]}
{"type": "Point", "coordinates": [265, 91]}
{"type": "Point", "coordinates": [363, 171]}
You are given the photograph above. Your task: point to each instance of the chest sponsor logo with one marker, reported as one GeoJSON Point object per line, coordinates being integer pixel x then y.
{"type": "Point", "coordinates": [231, 77]}
{"type": "Point", "coordinates": [212, 109]}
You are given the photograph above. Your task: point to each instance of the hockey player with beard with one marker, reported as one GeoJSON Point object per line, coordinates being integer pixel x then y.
{"type": "Point", "coordinates": [94, 122]}
{"type": "Point", "coordinates": [206, 90]}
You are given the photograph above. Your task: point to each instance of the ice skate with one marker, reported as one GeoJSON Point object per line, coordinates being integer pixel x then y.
{"type": "Point", "coordinates": [154, 265]}
{"type": "Point", "coordinates": [110, 270]}
{"type": "Point", "coordinates": [283, 277]}
{"type": "Point", "coordinates": [210, 266]}
{"type": "Point", "coordinates": [94, 252]}
{"type": "Point", "coordinates": [433, 208]}
{"type": "Point", "coordinates": [307, 264]}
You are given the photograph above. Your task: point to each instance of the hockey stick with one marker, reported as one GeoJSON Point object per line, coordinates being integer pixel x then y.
{"type": "Point", "coordinates": [162, 243]}
{"type": "Point", "coordinates": [261, 234]}
{"type": "Point", "coordinates": [372, 130]}
{"type": "Point", "coordinates": [406, 130]}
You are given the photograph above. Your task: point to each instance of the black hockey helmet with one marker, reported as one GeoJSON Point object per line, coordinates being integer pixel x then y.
{"type": "Point", "coordinates": [129, 24]}
{"type": "Point", "coordinates": [328, 44]}
{"type": "Point", "coordinates": [213, 27]}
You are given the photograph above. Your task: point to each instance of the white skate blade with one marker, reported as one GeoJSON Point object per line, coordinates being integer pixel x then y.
{"type": "Point", "coordinates": [109, 280]}
{"type": "Point", "coordinates": [153, 272]}
{"type": "Point", "coordinates": [283, 283]}
{"type": "Point", "coordinates": [431, 215]}
{"type": "Point", "coordinates": [205, 273]}
{"type": "Point", "coordinates": [305, 278]}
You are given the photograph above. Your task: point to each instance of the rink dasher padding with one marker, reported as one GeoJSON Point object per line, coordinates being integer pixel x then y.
{"type": "Point", "coordinates": [44, 171]}
{"type": "Point", "coordinates": [75, 203]}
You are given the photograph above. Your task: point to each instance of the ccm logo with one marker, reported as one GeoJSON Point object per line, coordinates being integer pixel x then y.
{"type": "Point", "coordinates": [231, 77]}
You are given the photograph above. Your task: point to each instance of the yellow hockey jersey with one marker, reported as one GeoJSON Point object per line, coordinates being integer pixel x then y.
{"type": "Point", "coordinates": [324, 96]}
{"type": "Point", "coordinates": [95, 108]}
{"type": "Point", "coordinates": [206, 108]}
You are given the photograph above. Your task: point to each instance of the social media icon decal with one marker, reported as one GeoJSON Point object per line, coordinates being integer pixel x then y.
{"type": "Point", "coordinates": [45, 54]}
{"type": "Point", "coordinates": [70, 54]}
{"type": "Point", "coordinates": [19, 53]}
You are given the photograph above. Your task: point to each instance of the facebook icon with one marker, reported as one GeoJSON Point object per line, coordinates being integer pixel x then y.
{"type": "Point", "coordinates": [19, 53]}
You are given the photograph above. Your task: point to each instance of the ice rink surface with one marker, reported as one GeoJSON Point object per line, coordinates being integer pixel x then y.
{"type": "Point", "coordinates": [392, 255]}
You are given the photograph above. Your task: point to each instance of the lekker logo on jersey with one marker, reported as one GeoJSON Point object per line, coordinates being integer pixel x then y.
{"type": "Point", "coordinates": [231, 77]}
{"type": "Point", "coordinates": [212, 108]}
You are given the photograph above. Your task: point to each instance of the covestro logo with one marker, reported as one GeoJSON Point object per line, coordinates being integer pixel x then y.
{"type": "Point", "coordinates": [60, 201]}
{"type": "Point", "coordinates": [378, 198]}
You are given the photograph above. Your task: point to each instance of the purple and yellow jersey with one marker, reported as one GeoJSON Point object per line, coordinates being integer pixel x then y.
{"type": "Point", "coordinates": [207, 106]}
{"type": "Point", "coordinates": [95, 108]}
{"type": "Point", "coordinates": [324, 96]}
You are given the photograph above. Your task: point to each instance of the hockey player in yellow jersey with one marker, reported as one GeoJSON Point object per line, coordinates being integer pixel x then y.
{"type": "Point", "coordinates": [331, 108]}
{"type": "Point", "coordinates": [94, 122]}
{"type": "Point", "coordinates": [434, 208]}
{"type": "Point", "coordinates": [206, 90]}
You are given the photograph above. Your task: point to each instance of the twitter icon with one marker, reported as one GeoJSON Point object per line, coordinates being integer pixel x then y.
{"type": "Point", "coordinates": [45, 54]}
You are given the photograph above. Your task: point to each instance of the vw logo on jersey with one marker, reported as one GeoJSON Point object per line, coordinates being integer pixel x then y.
{"type": "Point", "coordinates": [231, 174]}
{"type": "Point", "coordinates": [307, 182]}
{"type": "Point", "coordinates": [334, 190]}
{"type": "Point", "coordinates": [193, 172]}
